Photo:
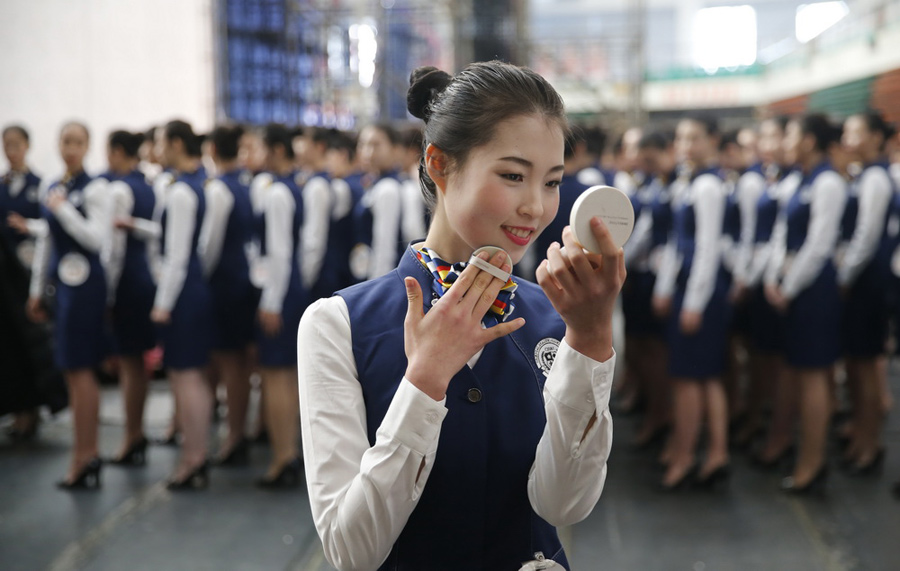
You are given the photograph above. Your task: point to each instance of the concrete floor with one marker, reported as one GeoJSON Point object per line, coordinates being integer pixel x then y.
{"type": "Point", "coordinates": [135, 524]}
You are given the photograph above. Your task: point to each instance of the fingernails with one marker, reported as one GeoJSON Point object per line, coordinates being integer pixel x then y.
{"type": "Point", "coordinates": [501, 257]}
{"type": "Point", "coordinates": [484, 256]}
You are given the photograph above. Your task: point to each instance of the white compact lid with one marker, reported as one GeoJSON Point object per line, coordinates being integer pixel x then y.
{"type": "Point", "coordinates": [612, 206]}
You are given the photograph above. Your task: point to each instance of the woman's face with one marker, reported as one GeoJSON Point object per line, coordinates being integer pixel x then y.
{"type": "Point", "coordinates": [792, 143]}
{"type": "Point", "coordinates": [769, 142]}
{"type": "Point", "coordinates": [15, 147]}
{"type": "Point", "coordinates": [692, 143]}
{"type": "Point", "coordinates": [507, 191]}
{"type": "Point", "coordinates": [73, 146]}
{"type": "Point", "coordinates": [252, 152]}
{"type": "Point", "coordinates": [858, 141]}
{"type": "Point", "coordinates": [375, 150]}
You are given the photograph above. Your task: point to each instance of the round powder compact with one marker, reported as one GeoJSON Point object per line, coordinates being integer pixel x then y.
{"type": "Point", "coordinates": [612, 206]}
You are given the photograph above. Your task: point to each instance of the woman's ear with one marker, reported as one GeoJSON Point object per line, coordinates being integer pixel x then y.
{"type": "Point", "coordinates": [436, 166]}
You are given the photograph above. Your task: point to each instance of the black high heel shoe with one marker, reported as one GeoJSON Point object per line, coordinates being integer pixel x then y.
{"type": "Point", "coordinates": [714, 479]}
{"type": "Point", "coordinates": [288, 477]}
{"type": "Point", "coordinates": [873, 466]}
{"type": "Point", "coordinates": [239, 455]}
{"type": "Point", "coordinates": [87, 479]}
{"type": "Point", "coordinates": [136, 455]}
{"type": "Point", "coordinates": [684, 482]}
{"type": "Point", "coordinates": [196, 480]}
{"type": "Point", "coordinates": [816, 485]}
{"type": "Point", "coordinates": [772, 463]}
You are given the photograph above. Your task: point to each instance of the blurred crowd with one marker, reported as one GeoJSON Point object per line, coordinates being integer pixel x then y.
{"type": "Point", "coordinates": [760, 309]}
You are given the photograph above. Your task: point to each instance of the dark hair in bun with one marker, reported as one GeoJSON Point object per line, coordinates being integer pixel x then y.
{"type": "Point", "coordinates": [130, 143]}
{"type": "Point", "coordinates": [424, 84]}
{"type": "Point", "coordinates": [462, 112]}
{"type": "Point", "coordinates": [183, 131]}
{"type": "Point", "coordinates": [226, 139]}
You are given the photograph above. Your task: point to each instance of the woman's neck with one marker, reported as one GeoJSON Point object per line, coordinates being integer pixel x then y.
{"type": "Point", "coordinates": [811, 161]}
{"type": "Point", "coordinates": [74, 170]}
{"type": "Point", "coordinates": [224, 166]}
{"type": "Point", "coordinates": [445, 241]}
{"type": "Point", "coordinates": [125, 167]}
{"type": "Point", "coordinates": [187, 164]}
{"type": "Point", "coordinates": [18, 167]}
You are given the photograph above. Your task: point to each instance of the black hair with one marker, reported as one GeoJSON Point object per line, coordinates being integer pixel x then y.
{"type": "Point", "coordinates": [275, 134]}
{"type": "Point", "coordinates": [130, 143]}
{"type": "Point", "coordinates": [17, 129]}
{"type": "Point", "coordinates": [618, 144]}
{"type": "Point", "coordinates": [595, 138]}
{"type": "Point", "coordinates": [705, 120]}
{"type": "Point", "coordinates": [226, 139]}
{"type": "Point", "coordinates": [823, 130]}
{"type": "Point", "coordinates": [80, 125]}
{"type": "Point", "coordinates": [461, 112]}
{"type": "Point", "coordinates": [183, 131]}
{"type": "Point", "coordinates": [342, 141]}
{"type": "Point", "coordinates": [575, 136]}
{"type": "Point", "coordinates": [728, 138]}
{"type": "Point", "coordinates": [659, 140]}
{"type": "Point", "coordinates": [413, 137]}
{"type": "Point", "coordinates": [299, 131]}
{"type": "Point", "coordinates": [317, 135]}
{"type": "Point", "coordinates": [150, 134]}
{"type": "Point", "coordinates": [876, 124]}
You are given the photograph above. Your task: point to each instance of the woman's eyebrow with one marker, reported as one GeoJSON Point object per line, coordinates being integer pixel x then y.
{"type": "Point", "coordinates": [528, 164]}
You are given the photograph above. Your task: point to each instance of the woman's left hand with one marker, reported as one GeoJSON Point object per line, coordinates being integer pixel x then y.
{"type": "Point", "coordinates": [583, 288]}
{"type": "Point", "coordinates": [690, 321]}
{"type": "Point", "coordinates": [55, 199]}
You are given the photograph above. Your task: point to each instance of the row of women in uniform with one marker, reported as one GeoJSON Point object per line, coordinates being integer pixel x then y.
{"type": "Point", "coordinates": [790, 243]}
{"type": "Point", "coordinates": [206, 263]}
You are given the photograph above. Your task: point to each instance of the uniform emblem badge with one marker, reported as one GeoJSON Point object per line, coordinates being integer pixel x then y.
{"type": "Point", "coordinates": [545, 354]}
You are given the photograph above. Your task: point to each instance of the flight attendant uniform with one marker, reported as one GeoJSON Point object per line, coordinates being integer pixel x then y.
{"type": "Point", "coordinates": [182, 290]}
{"type": "Point", "coordinates": [130, 281]}
{"type": "Point", "coordinates": [863, 268]}
{"type": "Point", "coordinates": [400, 481]}
{"type": "Point", "coordinates": [20, 194]}
{"type": "Point", "coordinates": [76, 234]}
{"type": "Point", "coordinates": [802, 263]}
{"type": "Point", "coordinates": [336, 274]}
{"type": "Point", "coordinates": [224, 240]}
{"type": "Point", "coordinates": [283, 292]}
{"type": "Point", "coordinates": [379, 240]}
{"type": "Point", "coordinates": [318, 207]}
{"type": "Point", "coordinates": [693, 277]}
{"type": "Point", "coordinates": [739, 226]}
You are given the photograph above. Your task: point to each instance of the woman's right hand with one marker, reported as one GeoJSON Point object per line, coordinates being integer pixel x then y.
{"type": "Point", "coordinates": [17, 222]}
{"type": "Point", "coordinates": [34, 309]}
{"type": "Point", "coordinates": [440, 343]}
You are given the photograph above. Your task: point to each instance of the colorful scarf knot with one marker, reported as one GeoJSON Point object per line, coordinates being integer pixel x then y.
{"type": "Point", "coordinates": [445, 274]}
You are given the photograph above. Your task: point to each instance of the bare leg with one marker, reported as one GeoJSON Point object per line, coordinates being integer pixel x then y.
{"type": "Point", "coordinates": [231, 368]}
{"type": "Point", "coordinates": [717, 425]}
{"type": "Point", "coordinates": [658, 390]}
{"type": "Point", "coordinates": [282, 414]}
{"type": "Point", "coordinates": [759, 393]}
{"type": "Point", "coordinates": [688, 420]}
{"type": "Point", "coordinates": [134, 383]}
{"type": "Point", "coordinates": [815, 413]}
{"type": "Point", "coordinates": [784, 409]}
{"type": "Point", "coordinates": [84, 398]}
{"type": "Point", "coordinates": [194, 400]}
{"type": "Point", "coordinates": [867, 436]}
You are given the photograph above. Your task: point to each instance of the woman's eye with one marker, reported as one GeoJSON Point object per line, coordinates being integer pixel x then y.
{"type": "Point", "coordinates": [554, 183]}
{"type": "Point", "coordinates": [515, 177]}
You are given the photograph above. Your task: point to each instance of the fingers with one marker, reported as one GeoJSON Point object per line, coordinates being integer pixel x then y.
{"type": "Point", "coordinates": [577, 259]}
{"type": "Point", "coordinates": [414, 311]}
{"type": "Point", "coordinates": [608, 247]}
{"type": "Point", "coordinates": [486, 287]}
{"type": "Point", "coordinates": [503, 329]}
{"type": "Point", "coordinates": [559, 268]}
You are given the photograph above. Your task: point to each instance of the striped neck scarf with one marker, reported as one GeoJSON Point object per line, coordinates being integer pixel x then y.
{"type": "Point", "coordinates": [445, 274]}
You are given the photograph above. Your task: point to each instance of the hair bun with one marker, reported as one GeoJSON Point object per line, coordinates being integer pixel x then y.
{"type": "Point", "coordinates": [424, 84]}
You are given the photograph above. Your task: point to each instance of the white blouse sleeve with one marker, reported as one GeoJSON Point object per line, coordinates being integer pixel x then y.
{"type": "Point", "coordinates": [92, 230]}
{"type": "Point", "coordinates": [219, 202]}
{"type": "Point", "coordinates": [39, 263]}
{"type": "Point", "coordinates": [181, 211]}
{"type": "Point", "coordinates": [279, 211]}
{"type": "Point", "coordinates": [316, 220]}
{"type": "Point", "coordinates": [750, 188]}
{"type": "Point", "coordinates": [36, 226]}
{"type": "Point", "coordinates": [709, 207]}
{"type": "Point", "coordinates": [114, 249]}
{"type": "Point", "coordinates": [569, 468]}
{"type": "Point", "coordinates": [361, 496]}
{"type": "Point", "coordinates": [386, 212]}
{"type": "Point", "coordinates": [875, 195]}
{"type": "Point", "coordinates": [828, 198]}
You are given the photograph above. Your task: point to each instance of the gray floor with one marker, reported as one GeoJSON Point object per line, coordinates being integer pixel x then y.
{"type": "Point", "coordinates": [135, 524]}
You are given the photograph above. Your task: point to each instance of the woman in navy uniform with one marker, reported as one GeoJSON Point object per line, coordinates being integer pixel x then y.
{"type": "Point", "coordinates": [458, 438]}
{"type": "Point", "coordinates": [801, 283]}
{"type": "Point", "coordinates": [863, 277]}
{"type": "Point", "coordinates": [691, 290]}
{"type": "Point", "coordinates": [131, 288]}
{"type": "Point", "coordinates": [280, 308]}
{"type": "Point", "coordinates": [379, 213]}
{"type": "Point", "coordinates": [224, 240]}
{"type": "Point", "coordinates": [183, 306]}
{"type": "Point", "coordinates": [346, 183]}
{"type": "Point", "coordinates": [78, 225]}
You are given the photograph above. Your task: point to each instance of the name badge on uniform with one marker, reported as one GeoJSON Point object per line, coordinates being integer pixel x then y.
{"type": "Point", "coordinates": [25, 252]}
{"type": "Point", "coordinates": [16, 185]}
{"type": "Point", "coordinates": [806, 195]}
{"type": "Point", "coordinates": [74, 269]}
{"type": "Point", "coordinates": [545, 354]}
{"type": "Point", "coordinates": [259, 272]}
{"type": "Point", "coordinates": [540, 562]}
{"type": "Point", "coordinates": [360, 258]}
{"type": "Point", "coordinates": [31, 195]}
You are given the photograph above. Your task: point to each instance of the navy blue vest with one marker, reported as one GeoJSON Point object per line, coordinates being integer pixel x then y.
{"type": "Point", "coordinates": [851, 212]}
{"type": "Point", "coordinates": [474, 512]}
{"type": "Point", "coordinates": [731, 222]}
{"type": "Point", "coordinates": [136, 268]}
{"type": "Point", "coordinates": [887, 243]}
{"type": "Point", "coordinates": [661, 211]}
{"type": "Point", "coordinates": [341, 240]}
{"type": "Point", "coordinates": [232, 273]}
{"type": "Point", "coordinates": [25, 203]}
{"type": "Point", "coordinates": [365, 221]}
{"type": "Point", "coordinates": [195, 181]}
{"type": "Point", "coordinates": [63, 243]}
{"type": "Point", "coordinates": [290, 181]}
{"type": "Point", "coordinates": [766, 212]}
{"type": "Point", "coordinates": [684, 223]}
{"type": "Point", "coordinates": [797, 211]}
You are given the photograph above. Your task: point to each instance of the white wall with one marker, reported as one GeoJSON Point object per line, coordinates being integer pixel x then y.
{"type": "Point", "coordinates": [109, 63]}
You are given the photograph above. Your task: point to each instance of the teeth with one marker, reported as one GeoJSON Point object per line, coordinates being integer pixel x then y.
{"type": "Point", "coordinates": [518, 232]}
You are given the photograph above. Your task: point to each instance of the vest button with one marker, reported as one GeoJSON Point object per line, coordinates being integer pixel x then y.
{"type": "Point", "coordinates": [474, 395]}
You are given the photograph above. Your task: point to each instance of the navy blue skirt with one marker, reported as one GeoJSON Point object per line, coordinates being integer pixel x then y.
{"type": "Point", "coordinates": [133, 332]}
{"type": "Point", "coordinates": [637, 305]}
{"type": "Point", "coordinates": [80, 334]}
{"type": "Point", "coordinates": [702, 355]}
{"type": "Point", "coordinates": [766, 325]}
{"type": "Point", "coordinates": [864, 329]}
{"type": "Point", "coordinates": [813, 323]}
{"type": "Point", "coordinates": [187, 339]}
{"type": "Point", "coordinates": [234, 315]}
{"type": "Point", "coordinates": [281, 350]}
